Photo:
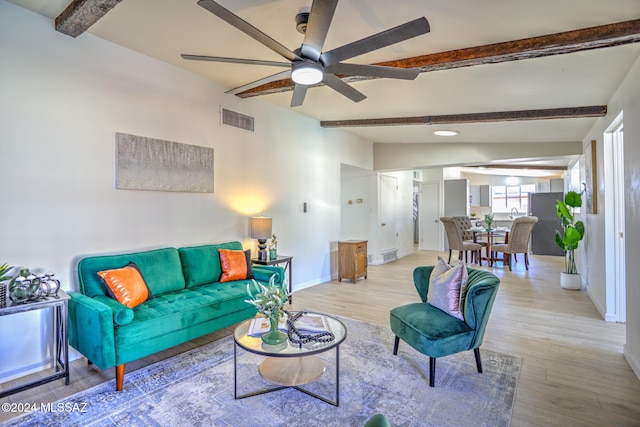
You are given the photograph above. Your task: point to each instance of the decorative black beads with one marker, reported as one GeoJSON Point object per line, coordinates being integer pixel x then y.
{"type": "Point", "coordinates": [296, 337]}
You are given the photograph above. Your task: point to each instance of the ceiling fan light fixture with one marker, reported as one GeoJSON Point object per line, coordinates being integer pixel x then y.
{"type": "Point", "coordinates": [307, 73]}
{"type": "Point", "coordinates": [445, 132]}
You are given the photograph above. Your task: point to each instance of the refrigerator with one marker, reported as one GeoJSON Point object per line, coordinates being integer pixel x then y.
{"type": "Point", "coordinates": [543, 235]}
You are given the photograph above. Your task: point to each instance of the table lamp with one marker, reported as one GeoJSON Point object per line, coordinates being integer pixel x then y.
{"type": "Point", "coordinates": [261, 230]}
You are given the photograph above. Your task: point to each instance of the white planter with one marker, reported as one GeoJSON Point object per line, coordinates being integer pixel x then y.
{"type": "Point", "coordinates": [570, 281]}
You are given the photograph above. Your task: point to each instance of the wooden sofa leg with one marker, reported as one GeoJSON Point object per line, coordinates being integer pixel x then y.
{"type": "Point", "coordinates": [476, 352]}
{"type": "Point", "coordinates": [432, 371]}
{"type": "Point", "coordinates": [119, 377]}
{"type": "Point", "coordinates": [449, 262]}
{"type": "Point", "coordinates": [395, 345]}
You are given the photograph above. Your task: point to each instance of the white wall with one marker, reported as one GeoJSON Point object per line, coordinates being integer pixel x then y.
{"type": "Point", "coordinates": [626, 99]}
{"type": "Point", "coordinates": [359, 220]}
{"type": "Point", "coordinates": [362, 220]}
{"type": "Point", "coordinates": [62, 101]}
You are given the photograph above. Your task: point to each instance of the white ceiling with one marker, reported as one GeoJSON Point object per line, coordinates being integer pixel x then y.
{"type": "Point", "coordinates": [164, 29]}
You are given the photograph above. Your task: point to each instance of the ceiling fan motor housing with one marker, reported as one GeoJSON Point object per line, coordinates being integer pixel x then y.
{"type": "Point", "coordinates": [301, 22]}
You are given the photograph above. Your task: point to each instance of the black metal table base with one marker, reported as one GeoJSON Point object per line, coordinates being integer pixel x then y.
{"type": "Point", "coordinates": [335, 402]}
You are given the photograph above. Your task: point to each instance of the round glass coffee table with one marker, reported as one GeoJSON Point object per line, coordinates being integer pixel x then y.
{"type": "Point", "coordinates": [287, 364]}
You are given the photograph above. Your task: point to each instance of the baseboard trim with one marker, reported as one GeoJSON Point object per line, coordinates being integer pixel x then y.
{"type": "Point", "coordinates": [600, 308]}
{"type": "Point", "coordinates": [631, 360]}
{"type": "Point", "coordinates": [301, 286]}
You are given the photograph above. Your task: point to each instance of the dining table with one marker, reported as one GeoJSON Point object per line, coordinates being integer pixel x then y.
{"type": "Point", "coordinates": [491, 235]}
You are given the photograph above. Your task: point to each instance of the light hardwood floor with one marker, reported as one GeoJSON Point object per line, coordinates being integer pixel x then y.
{"type": "Point", "coordinates": [573, 371]}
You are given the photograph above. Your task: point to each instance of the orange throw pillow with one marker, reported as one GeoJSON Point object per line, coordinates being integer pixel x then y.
{"type": "Point", "coordinates": [235, 265]}
{"type": "Point", "coordinates": [126, 285]}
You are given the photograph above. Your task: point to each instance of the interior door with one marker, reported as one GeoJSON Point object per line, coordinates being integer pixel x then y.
{"type": "Point", "coordinates": [388, 212]}
{"type": "Point", "coordinates": [431, 236]}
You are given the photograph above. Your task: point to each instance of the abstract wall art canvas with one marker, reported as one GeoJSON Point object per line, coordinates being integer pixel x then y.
{"type": "Point", "coordinates": [153, 164]}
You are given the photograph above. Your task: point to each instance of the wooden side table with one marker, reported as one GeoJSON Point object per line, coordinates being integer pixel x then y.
{"type": "Point", "coordinates": [352, 259]}
{"type": "Point", "coordinates": [60, 306]}
{"type": "Point", "coordinates": [280, 259]}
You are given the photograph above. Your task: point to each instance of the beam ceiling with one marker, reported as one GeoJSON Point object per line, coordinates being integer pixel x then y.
{"type": "Point", "coordinates": [501, 116]}
{"type": "Point", "coordinates": [82, 14]}
{"type": "Point", "coordinates": [599, 37]}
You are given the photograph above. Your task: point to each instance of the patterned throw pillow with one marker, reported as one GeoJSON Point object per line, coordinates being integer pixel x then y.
{"type": "Point", "coordinates": [235, 265]}
{"type": "Point", "coordinates": [126, 285]}
{"type": "Point", "coordinates": [447, 288]}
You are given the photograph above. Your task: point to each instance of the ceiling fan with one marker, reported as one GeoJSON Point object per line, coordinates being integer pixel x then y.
{"type": "Point", "coordinates": [308, 65]}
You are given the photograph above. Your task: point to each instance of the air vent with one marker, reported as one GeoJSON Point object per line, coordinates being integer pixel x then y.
{"type": "Point", "coordinates": [390, 255]}
{"type": "Point", "coordinates": [237, 120]}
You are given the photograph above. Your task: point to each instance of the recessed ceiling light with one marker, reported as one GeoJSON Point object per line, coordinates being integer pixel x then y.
{"type": "Point", "coordinates": [446, 132]}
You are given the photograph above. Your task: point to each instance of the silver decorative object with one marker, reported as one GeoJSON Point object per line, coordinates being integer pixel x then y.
{"type": "Point", "coordinates": [29, 287]}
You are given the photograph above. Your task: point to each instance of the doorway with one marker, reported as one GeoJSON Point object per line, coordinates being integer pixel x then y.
{"type": "Point", "coordinates": [388, 215]}
{"type": "Point", "coordinates": [431, 232]}
{"type": "Point", "coordinates": [615, 222]}
{"type": "Point", "coordinates": [416, 213]}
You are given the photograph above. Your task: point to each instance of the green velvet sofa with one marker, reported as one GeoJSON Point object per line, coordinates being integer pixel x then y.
{"type": "Point", "coordinates": [188, 302]}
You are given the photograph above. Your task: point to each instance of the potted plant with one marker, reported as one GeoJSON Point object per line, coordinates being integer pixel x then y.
{"type": "Point", "coordinates": [4, 269]}
{"type": "Point", "coordinates": [568, 239]}
{"type": "Point", "coordinates": [269, 300]}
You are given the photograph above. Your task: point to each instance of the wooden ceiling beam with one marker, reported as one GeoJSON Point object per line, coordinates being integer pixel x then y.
{"type": "Point", "coordinates": [603, 36]}
{"type": "Point", "coordinates": [501, 116]}
{"type": "Point", "coordinates": [82, 14]}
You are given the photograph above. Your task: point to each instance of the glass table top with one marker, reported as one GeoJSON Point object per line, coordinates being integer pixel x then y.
{"type": "Point", "coordinates": [255, 345]}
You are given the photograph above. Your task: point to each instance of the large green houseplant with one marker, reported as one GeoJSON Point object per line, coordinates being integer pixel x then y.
{"type": "Point", "coordinates": [572, 233]}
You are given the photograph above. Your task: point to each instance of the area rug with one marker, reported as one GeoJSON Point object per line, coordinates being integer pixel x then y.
{"type": "Point", "coordinates": [195, 388]}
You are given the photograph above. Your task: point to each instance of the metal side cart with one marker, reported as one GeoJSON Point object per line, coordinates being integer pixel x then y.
{"type": "Point", "coordinates": [59, 305]}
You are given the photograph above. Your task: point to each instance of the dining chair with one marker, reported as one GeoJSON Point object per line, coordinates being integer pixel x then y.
{"type": "Point", "coordinates": [436, 333]}
{"type": "Point", "coordinates": [464, 224]}
{"type": "Point", "coordinates": [457, 243]}
{"type": "Point", "coordinates": [518, 241]}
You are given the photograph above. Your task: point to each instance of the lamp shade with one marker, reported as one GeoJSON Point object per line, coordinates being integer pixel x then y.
{"type": "Point", "coordinates": [260, 227]}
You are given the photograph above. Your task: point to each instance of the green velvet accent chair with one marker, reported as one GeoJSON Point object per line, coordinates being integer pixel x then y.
{"type": "Point", "coordinates": [435, 333]}
{"type": "Point", "coordinates": [378, 420]}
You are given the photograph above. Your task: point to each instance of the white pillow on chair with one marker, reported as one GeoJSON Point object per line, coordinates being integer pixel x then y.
{"type": "Point", "coordinates": [447, 288]}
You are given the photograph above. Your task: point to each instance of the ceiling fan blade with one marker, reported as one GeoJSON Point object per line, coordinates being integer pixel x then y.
{"type": "Point", "coordinates": [320, 18]}
{"type": "Point", "coordinates": [299, 93]}
{"type": "Point", "coordinates": [373, 71]}
{"type": "Point", "coordinates": [377, 41]}
{"type": "Point", "coordinates": [269, 79]}
{"type": "Point", "coordinates": [234, 60]}
{"type": "Point", "coordinates": [341, 87]}
{"type": "Point", "coordinates": [248, 29]}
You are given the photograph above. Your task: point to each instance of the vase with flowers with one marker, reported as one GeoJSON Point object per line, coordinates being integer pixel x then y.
{"type": "Point", "coordinates": [488, 220]}
{"type": "Point", "coordinates": [269, 300]}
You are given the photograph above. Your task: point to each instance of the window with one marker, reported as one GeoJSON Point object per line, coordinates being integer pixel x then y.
{"type": "Point", "coordinates": [506, 197]}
